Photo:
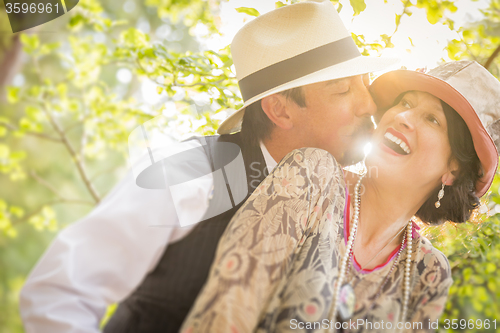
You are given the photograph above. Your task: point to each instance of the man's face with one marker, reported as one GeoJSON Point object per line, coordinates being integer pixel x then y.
{"type": "Point", "coordinates": [337, 117]}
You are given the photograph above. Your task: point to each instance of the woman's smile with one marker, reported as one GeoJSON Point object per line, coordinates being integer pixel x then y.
{"type": "Point", "coordinates": [397, 141]}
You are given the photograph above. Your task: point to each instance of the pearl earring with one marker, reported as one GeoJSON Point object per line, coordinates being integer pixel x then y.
{"type": "Point", "coordinates": [440, 196]}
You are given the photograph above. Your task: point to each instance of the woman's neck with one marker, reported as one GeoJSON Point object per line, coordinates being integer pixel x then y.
{"type": "Point", "coordinates": [384, 212]}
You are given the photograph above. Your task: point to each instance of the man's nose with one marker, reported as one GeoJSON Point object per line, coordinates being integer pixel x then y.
{"type": "Point", "coordinates": [366, 106]}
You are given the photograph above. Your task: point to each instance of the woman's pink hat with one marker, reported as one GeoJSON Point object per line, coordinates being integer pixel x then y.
{"type": "Point", "coordinates": [469, 89]}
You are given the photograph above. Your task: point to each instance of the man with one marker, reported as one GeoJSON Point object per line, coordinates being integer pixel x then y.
{"type": "Point", "coordinates": [304, 84]}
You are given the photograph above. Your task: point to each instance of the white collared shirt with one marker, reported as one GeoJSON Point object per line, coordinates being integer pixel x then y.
{"type": "Point", "coordinates": [270, 162]}
{"type": "Point", "coordinates": [102, 258]}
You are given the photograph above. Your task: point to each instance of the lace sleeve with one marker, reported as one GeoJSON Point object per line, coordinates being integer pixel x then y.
{"type": "Point", "coordinates": [264, 239]}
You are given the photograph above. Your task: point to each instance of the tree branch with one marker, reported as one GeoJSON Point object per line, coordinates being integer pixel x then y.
{"type": "Point", "coordinates": [469, 50]}
{"type": "Point", "coordinates": [51, 188]}
{"type": "Point", "coordinates": [64, 139]}
{"type": "Point", "coordinates": [175, 83]}
{"type": "Point", "coordinates": [103, 172]}
{"type": "Point", "coordinates": [76, 159]}
{"type": "Point", "coordinates": [79, 122]}
{"type": "Point", "coordinates": [45, 183]}
{"type": "Point", "coordinates": [492, 57]}
{"type": "Point", "coordinates": [10, 63]}
{"type": "Point", "coordinates": [398, 23]}
{"type": "Point", "coordinates": [83, 142]}
{"type": "Point", "coordinates": [36, 134]}
{"type": "Point", "coordinates": [50, 203]}
{"type": "Point", "coordinates": [193, 84]}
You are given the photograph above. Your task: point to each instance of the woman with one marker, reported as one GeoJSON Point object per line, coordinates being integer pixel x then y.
{"type": "Point", "coordinates": [302, 254]}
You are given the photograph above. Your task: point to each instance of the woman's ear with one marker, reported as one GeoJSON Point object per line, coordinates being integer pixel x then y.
{"type": "Point", "coordinates": [276, 108]}
{"type": "Point", "coordinates": [449, 177]}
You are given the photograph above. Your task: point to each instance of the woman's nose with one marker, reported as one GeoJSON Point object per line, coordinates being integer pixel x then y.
{"type": "Point", "coordinates": [406, 120]}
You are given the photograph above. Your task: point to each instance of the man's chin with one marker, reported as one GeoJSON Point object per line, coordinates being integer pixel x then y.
{"type": "Point", "coordinates": [355, 153]}
{"type": "Point", "coordinates": [351, 157]}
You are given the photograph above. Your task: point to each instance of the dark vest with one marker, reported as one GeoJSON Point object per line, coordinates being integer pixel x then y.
{"type": "Point", "coordinates": [162, 301]}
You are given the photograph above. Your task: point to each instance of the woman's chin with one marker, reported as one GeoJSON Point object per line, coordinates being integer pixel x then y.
{"type": "Point", "coordinates": [382, 167]}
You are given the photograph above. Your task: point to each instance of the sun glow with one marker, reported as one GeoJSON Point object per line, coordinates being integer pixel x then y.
{"type": "Point", "coordinates": [417, 43]}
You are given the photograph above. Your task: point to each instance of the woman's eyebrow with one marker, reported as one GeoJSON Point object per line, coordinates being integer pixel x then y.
{"type": "Point", "coordinates": [438, 108]}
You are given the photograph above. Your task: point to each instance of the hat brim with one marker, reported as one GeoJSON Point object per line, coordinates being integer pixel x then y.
{"type": "Point", "coordinates": [356, 66]}
{"type": "Point", "coordinates": [386, 88]}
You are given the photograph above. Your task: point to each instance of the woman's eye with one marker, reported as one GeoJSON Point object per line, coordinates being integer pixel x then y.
{"type": "Point", "coordinates": [433, 119]}
{"type": "Point", "coordinates": [405, 104]}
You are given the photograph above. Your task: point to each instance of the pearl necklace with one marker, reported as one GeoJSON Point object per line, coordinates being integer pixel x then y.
{"type": "Point", "coordinates": [345, 260]}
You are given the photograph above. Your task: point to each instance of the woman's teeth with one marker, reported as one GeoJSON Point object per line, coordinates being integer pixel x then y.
{"type": "Point", "coordinates": [397, 141]}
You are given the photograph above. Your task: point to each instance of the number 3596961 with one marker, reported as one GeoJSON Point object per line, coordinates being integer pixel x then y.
{"type": "Point", "coordinates": [31, 8]}
{"type": "Point", "coordinates": [471, 324]}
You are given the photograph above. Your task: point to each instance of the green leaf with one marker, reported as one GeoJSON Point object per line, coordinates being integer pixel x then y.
{"type": "Point", "coordinates": [118, 22]}
{"type": "Point", "coordinates": [478, 306]}
{"type": "Point", "coordinates": [134, 38]}
{"type": "Point", "coordinates": [358, 6]}
{"type": "Point", "coordinates": [4, 151]}
{"type": "Point", "coordinates": [433, 15]}
{"type": "Point", "coordinates": [467, 273]}
{"type": "Point", "coordinates": [490, 267]}
{"type": "Point", "coordinates": [76, 22]}
{"type": "Point", "coordinates": [45, 220]}
{"type": "Point", "coordinates": [279, 4]}
{"type": "Point", "coordinates": [450, 23]}
{"type": "Point", "coordinates": [492, 285]}
{"type": "Point", "coordinates": [62, 89]}
{"type": "Point", "coordinates": [11, 232]}
{"type": "Point", "coordinates": [34, 91]}
{"type": "Point", "coordinates": [467, 34]}
{"type": "Point", "coordinates": [13, 94]}
{"type": "Point", "coordinates": [248, 11]}
{"type": "Point", "coordinates": [107, 22]}
{"type": "Point", "coordinates": [32, 112]}
{"type": "Point", "coordinates": [30, 43]}
{"type": "Point", "coordinates": [450, 6]}
{"type": "Point", "coordinates": [18, 155]}
{"type": "Point", "coordinates": [49, 47]}
{"type": "Point", "coordinates": [16, 211]}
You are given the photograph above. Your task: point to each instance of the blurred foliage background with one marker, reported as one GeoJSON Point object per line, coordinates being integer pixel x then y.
{"type": "Point", "coordinates": [70, 94]}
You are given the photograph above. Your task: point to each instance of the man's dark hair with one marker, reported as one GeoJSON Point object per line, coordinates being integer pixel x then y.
{"type": "Point", "coordinates": [256, 126]}
{"type": "Point", "coordinates": [460, 198]}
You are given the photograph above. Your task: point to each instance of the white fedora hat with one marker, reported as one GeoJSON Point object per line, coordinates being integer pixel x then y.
{"type": "Point", "coordinates": [293, 46]}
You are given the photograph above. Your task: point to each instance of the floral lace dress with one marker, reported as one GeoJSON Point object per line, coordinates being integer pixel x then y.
{"type": "Point", "coordinates": [277, 262]}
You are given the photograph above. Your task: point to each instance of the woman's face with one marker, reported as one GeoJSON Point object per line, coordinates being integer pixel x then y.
{"type": "Point", "coordinates": [411, 146]}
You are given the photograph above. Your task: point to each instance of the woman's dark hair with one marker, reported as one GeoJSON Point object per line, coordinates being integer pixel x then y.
{"type": "Point", "coordinates": [256, 126]}
{"type": "Point", "coordinates": [459, 199]}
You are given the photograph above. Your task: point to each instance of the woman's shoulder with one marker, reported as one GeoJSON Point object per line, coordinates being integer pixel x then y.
{"type": "Point", "coordinates": [313, 158]}
{"type": "Point", "coordinates": [312, 152]}
{"type": "Point", "coordinates": [317, 163]}
{"type": "Point", "coordinates": [432, 265]}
